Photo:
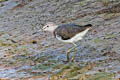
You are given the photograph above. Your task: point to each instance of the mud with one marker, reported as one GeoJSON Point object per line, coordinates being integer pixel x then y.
{"type": "Point", "coordinates": [25, 56]}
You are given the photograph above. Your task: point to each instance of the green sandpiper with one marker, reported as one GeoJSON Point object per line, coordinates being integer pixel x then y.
{"type": "Point", "coordinates": [68, 33]}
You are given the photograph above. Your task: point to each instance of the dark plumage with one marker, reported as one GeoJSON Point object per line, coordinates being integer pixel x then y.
{"type": "Point", "coordinates": [67, 31]}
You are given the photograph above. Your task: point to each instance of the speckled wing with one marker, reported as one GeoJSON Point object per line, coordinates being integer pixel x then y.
{"type": "Point", "coordinates": [67, 31]}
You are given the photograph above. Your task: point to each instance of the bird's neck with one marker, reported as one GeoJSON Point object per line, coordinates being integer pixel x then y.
{"type": "Point", "coordinates": [53, 28]}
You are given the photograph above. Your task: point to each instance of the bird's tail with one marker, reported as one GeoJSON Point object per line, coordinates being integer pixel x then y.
{"type": "Point", "coordinates": [88, 25]}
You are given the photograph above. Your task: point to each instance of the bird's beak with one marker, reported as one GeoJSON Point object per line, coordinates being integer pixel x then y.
{"type": "Point", "coordinates": [37, 31]}
{"type": "Point", "coordinates": [40, 30]}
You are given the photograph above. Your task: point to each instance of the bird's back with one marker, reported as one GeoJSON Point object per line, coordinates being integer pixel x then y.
{"type": "Point", "coordinates": [67, 31]}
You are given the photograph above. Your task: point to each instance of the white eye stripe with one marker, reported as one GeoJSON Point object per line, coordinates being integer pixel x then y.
{"type": "Point", "coordinates": [43, 28]}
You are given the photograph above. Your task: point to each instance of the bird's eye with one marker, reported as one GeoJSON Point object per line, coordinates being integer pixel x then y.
{"type": "Point", "coordinates": [47, 26]}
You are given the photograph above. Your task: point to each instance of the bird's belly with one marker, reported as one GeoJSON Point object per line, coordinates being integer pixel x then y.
{"type": "Point", "coordinates": [74, 39]}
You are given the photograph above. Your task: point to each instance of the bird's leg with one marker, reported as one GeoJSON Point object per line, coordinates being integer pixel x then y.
{"type": "Point", "coordinates": [68, 53]}
{"type": "Point", "coordinates": [75, 51]}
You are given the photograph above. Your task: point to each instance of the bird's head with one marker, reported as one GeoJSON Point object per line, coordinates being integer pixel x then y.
{"type": "Point", "coordinates": [50, 26]}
